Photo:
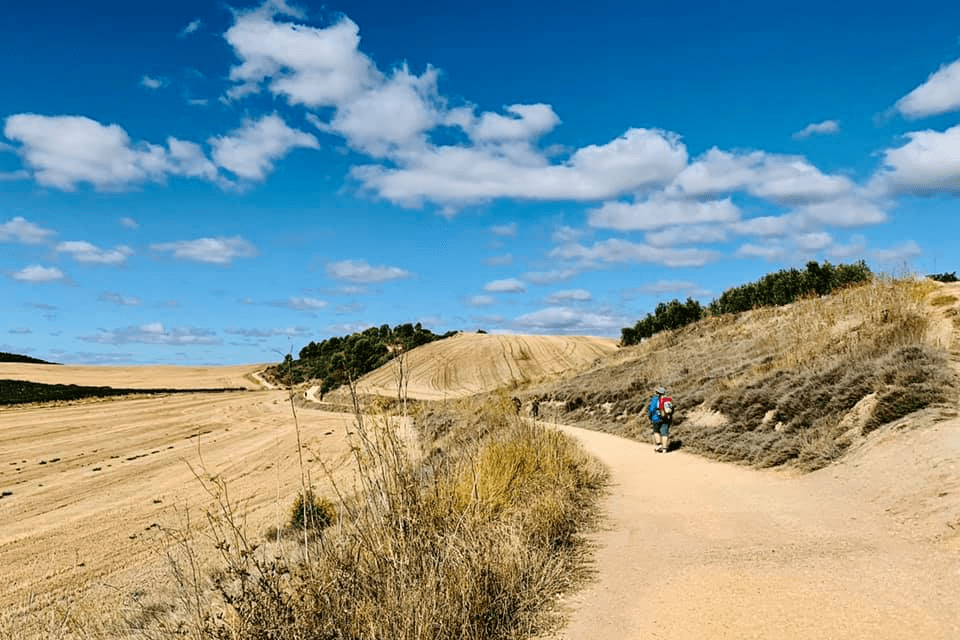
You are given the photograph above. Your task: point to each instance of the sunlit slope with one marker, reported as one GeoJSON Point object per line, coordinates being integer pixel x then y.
{"type": "Point", "coordinates": [471, 363]}
{"type": "Point", "coordinates": [133, 377]}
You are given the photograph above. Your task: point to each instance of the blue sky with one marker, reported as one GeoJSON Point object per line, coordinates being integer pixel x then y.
{"type": "Point", "coordinates": [212, 183]}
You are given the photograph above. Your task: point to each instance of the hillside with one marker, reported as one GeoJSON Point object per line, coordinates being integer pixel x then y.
{"type": "Point", "coordinates": [473, 363]}
{"type": "Point", "coordinates": [799, 384]}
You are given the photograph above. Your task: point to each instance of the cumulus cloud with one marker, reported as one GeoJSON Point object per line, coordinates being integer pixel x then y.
{"type": "Point", "coordinates": [561, 319]}
{"type": "Point", "coordinates": [770, 252]}
{"type": "Point", "coordinates": [499, 261]}
{"type": "Point", "coordinates": [21, 230]}
{"type": "Point", "coordinates": [153, 333]}
{"type": "Point", "coordinates": [219, 250]}
{"type": "Point", "coordinates": [780, 179]}
{"type": "Point", "coordinates": [38, 274]}
{"type": "Point", "coordinates": [549, 277]}
{"type": "Point", "coordinates": [459, 175]}
{"type": "Point", "coordinates": [118, 299]}
{"type": "Point", "coordinates": [616, 250]}
{"type": "Point", "coordinates": [521, 122]}
{"type": "Point", "coordinates": [939, 94]}
{"type": "Point", "coordinates": [898, 255]}
{"type": "Point", "coordinates": [129, 223]}
{"type": "Point", "coordinates": [87, 253]}
{"type": "Point", "coordinates": [696, 234]}
{"type": "Point", "coordinates": [659, 211]}
{"type": "Point", "coordinates": [361, 272]}
{"type": "Point", "coordinates": [288, 332]}
{"type": "Point", "coordinates": [569, 295]}
{"type": "Point", "coordinates": [827, 127]}
{"type": "Point", "coordinates": [250, 151]}
{"type": "Point", "coordinates": [927, 164]}
{"type": "Point", "coordinates": [508, 285]}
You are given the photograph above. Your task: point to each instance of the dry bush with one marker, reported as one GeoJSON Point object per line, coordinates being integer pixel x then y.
{"type": "Point", "coordinates": [475, 543]}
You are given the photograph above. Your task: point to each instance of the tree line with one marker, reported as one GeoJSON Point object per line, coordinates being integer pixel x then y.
{"type": "Point", "coordinates": [337, 360]}
{"type": "Point", "coordinates": [774, 289]}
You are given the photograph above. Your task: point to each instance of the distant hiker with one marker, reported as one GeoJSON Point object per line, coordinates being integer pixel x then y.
{"type": "Point", "coordinates": [516, 404]}
{"type": "Point", "coordinates": [535, 408]}
{"type": "Point", "coordinates": [660, 412]}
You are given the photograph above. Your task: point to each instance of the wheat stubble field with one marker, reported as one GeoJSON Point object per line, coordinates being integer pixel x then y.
{"type": "Point", "coordinates": [89, 485]}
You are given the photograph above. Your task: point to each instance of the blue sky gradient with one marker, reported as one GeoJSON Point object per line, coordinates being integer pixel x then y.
{"type": "Point", "coordinates": [203, 183]}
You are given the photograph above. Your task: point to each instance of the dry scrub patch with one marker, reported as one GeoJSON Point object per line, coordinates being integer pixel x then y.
{"type": "Point", "coordinates": [783, 378]}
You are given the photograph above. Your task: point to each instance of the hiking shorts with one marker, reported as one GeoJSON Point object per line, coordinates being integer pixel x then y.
{"type": "Point", "coordinates": [663, 428]}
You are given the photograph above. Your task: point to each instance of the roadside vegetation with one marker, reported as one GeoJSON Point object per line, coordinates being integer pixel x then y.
{"type": "Point", "coordinates": [335, 361]}
{"type": "Point", "coordinates": [793, 385]}
{"type": "Point", "coordinates": [472, 541]}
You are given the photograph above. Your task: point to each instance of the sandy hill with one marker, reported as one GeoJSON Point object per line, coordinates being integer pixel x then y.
{"type": "Point", "coordinates": [134, 377]}
{"type": "Point", "coordinates": [471, 363]}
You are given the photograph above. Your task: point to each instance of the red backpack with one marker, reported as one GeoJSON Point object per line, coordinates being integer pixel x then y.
{"type": "Point", "coordinates": [665, 408]}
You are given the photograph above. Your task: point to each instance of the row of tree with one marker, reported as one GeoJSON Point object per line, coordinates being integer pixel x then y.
{"type": "Point", "coordinates": [337, 360]}
{"type": "Point", "coordinates": [774, 289]}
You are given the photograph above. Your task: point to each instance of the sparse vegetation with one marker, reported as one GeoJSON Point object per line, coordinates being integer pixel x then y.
{"type": "Point", "coordinates": [774, 289]}
{"type": "Point", "coordinates": [335, 361]}
{"type": "Point", "coordinates": [945, 277]}
{"type": "Point", "coordinates": [472, 542]}
{"type": "Point", "coordinates": [781, 378]}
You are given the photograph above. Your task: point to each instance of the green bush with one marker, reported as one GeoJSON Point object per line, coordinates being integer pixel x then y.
{"type": "Point", "coordinates": [311, 512]}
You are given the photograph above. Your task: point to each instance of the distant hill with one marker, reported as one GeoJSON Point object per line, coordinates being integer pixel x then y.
{"type": "Point", "coordinates": [13, 357]}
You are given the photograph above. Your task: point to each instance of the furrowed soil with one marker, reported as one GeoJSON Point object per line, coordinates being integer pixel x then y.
{"type": "Point", "coordinates": [89, 487]}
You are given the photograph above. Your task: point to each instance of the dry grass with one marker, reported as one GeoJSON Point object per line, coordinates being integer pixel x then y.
{"type": "Point", "coordinates": [784, 378]}
{"type": "Point", "coordinates": [474, 542]}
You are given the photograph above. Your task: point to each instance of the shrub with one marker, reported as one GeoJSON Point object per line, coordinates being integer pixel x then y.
{"type": "Point", "coordinates": [311, 512]}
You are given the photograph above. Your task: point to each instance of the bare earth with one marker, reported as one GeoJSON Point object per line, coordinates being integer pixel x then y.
{"type": "Point", "coordinates": [868, 548]}
{"type": "Point", "coordinates": [471, 363]}
{"type": "Point", "coordinates": [92, 483]}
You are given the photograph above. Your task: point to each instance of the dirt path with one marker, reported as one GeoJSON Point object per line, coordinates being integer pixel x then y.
{"type": "Point", "coordinates": [868, 548]}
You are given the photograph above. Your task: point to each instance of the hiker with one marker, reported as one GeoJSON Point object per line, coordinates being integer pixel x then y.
{"type": "Point", "coordinates": [660, 412]}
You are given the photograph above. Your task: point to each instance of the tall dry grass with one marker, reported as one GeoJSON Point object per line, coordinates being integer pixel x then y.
{"type": "Point", "coordinates": [781, 379]}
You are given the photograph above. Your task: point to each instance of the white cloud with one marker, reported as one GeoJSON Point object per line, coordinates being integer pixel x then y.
{"type": "Point", "coordinates": [778, 178]}
{"type": "Point", "coordinates": [152, 83]}
{"type": "Point", "coordinates": [129, 223]}
{"type": "Point", "coordinates": [695, 234]}
{"type": "Point", "coordinates": [524, 122]}
{"type": "Point", "coordinates": [315, 67]}
{"type": "Point", "coordinates": [928, 163]}
{"type": "Point", "coordinates": [88, 253]}
{"type": "Point", "coordinates": [813, 242]}
{"type": "Point", "coordinates": [459, 175]}
{"type": "Point", "coordinates": [250, 151]}
{"type": "Point", "coordinates": [289, 332]}
{"type": "Point", "coordinates": [770, 252]}
{"type": "Point", "coordinates": [939, 94]}
{"type": "Point", "coordinates": [210, 250]}
{"type": "Point", "coordinates": [306, 304]}
{"type": "Point", "coordinates": [21, 230]}
{"type": "Point", "coordinates": [827, 127]}
{"type": "Point", "coordinates": [549, 277]}
{"type": "Point", "coordinates": [661, 287]}
{"type": "Point", "coordinates": [154, 333]}
{"type": "Point", "coordinates": [567, 320]}
{"type": "Point", "coordinates": [899, 255]}
{"type": "Point", "coordinates": [118, 299]}
{"type": "Point", "coordinates": [193, 27]}
{"type": "Point", "coordinates": [658, 212]}
{"type": "Point", "coordinates": [505, 230]}
{"type": "Point", "coordinates": [850, 211]}
{"type": "Point", "coordinates": [481, 301]}
{"type": "Point", "coordinates": [65, 151]}
{"type": "Point", "coordinates": [569, 295]}
{"type": "Point", "coordinates": [508, 285]}
{"type": "Point", "coordinates": [361, 272]}
{"type": "Point", "coordinates": [37, 273]}
{"type": "Point", "coordinates": [615, 250]}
